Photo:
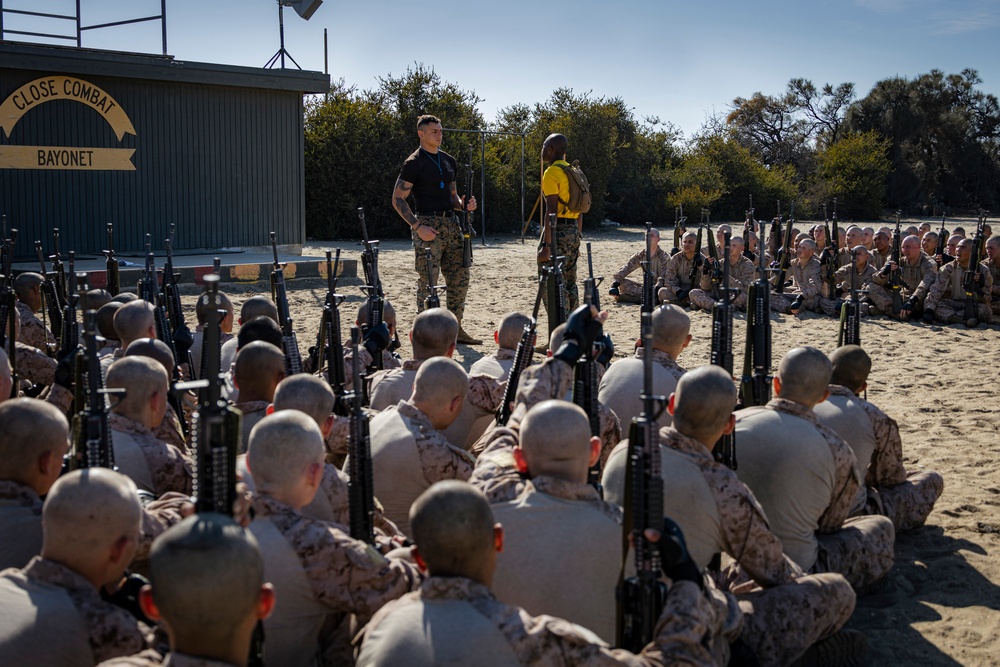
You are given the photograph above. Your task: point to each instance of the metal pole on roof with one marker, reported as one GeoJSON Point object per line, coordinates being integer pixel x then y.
{"type": "Point", "coordinates": [522, 184]}
{"type": "Point", "coordinates": [482, 181]}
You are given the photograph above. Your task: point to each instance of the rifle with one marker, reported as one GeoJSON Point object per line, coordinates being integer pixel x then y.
{"type": "Point", "coordinates": [217, 427]}
{"type": "Point", "coordinates": [722, 347]}
{"type": "Point", "coordinates": [942, 239]}
{"type": "Point", "coordinates": [750, 225]}
{"type": "Point", "coordinates": [57, 267]}
{"type": "Point", "coordinates": [555, 289]}
{"type": "Point", "coordinates": [828, 259]}
{"type": "Point", "coordinates": [432, 300]}
{"type": "Point", "coordinates": [289, 343]}
{"type": "Point", "coordinates": [648, 300]}
{"type": "Point", "coordinates": [113, 278]}
{"type": "Point", "coordinates": [372, 288]}
{"type": "Point", "coordinates": [329, 346]}
{"type": "Point", "coordinates": [585, 372]}
{"type": "Point", "coordinates": [641, 597]}
{"type": "Point", "coordinates": [850, 311]}
{"type": "Point", "coordinates": [678, 228]}
{"type": "Point", "coordinates": [698, 259]}
{"type": "Point", "coordinates": [181, 339]}
{"type": "Point", "coordinates": [755, 385]}
{"type": "Point", "coordinates": [70, 339]}
{"type": "Point", "coordinates": [713, 253]}
{"type": "Point", "coordinates": [360, 487]}
{"type": "Point", "coordinates": [784, 255]}
{"type": "Point", "coordinates": [895, 282]}
{"type": "Point", "coordinates": [467, 216]}
{"type": "Point", "coordinates": [969, 280]}
{"type": "Point", "coordinates": [522, 357]}
{"type": "Point", "coordinates": [8, 309]}
{"type": "Point", "coordinates": [774, 238]}
{"type": "Point", "coordinates": [50, 298]}
{"type": "Point", "coordinates": [93, 448]}
{"type": "Point", "coordinates": [157, 297]}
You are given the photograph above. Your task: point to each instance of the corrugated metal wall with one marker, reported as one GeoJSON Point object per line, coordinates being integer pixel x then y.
{"type": "Point", "coordinates": [224, 163]}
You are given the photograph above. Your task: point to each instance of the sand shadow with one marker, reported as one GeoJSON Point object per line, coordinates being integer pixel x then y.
{"type": "Point", "coordinates": [930, 573]}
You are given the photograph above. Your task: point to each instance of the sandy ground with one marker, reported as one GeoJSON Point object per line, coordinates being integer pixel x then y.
{"type": "Point", "coordinates": [939, 383]}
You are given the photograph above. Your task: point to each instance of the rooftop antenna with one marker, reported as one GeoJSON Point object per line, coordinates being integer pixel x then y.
{"type": "Point", "coordinates": [305, 9]}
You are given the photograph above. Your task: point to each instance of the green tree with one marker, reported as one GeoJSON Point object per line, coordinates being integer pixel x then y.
{"type": "Point", "coordinates": [854, 170]}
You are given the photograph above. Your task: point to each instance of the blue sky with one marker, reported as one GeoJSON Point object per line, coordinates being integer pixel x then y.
{"type": "Point", "coordinates": [680, 61]}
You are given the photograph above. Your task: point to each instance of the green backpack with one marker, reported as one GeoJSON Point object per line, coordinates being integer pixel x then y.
{"type": "Point", "coordinates": [580, 198]}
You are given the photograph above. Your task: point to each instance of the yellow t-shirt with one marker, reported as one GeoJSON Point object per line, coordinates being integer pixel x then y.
{"type": "Point", "coordinates": [555, 181]}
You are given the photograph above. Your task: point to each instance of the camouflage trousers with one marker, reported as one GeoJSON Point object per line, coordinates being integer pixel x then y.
{"type": "Point", "coordinates": [704, 300]}
{"type": "Point", "coordinates": [862, 550]}
{"type": "Point", "coordinates": [629, 291]}
{"type": "Point", "coordinates": [782, 303]}
{"type": "Point", "coordinates": [882, 299]}
{"type": "Point", "coordinates": [567, 245]}
{"type": "Point", "coordinates": [908, 504]}
{"type": "Point", "coordinates": [781, 622]}
{"type": "Point", "coordinates": [669, 295]}
{"type": "Point", "coordinates": [447, 250]}
{"type": "Point", "coordinates": [950, 311]}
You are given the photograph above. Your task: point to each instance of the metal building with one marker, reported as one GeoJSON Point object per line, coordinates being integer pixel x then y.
{"type": "Point", "coordinates": [95, 137]}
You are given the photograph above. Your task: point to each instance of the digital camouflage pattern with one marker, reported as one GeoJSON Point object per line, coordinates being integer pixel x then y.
{"type": "Point", "coordinates": [171, 470]}
{"type": "Point", "coordinates": [447, 252]}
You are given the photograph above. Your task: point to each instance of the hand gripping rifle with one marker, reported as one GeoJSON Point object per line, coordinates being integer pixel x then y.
{"type": "Point", "coordinates": [70, 339]}
{"type": "Point", "coordinates": [289, 343]}
{"type": "Point", "coordinates": [850, 311]}
{"type": "Point", "coordinates": [113, 278]}
{"type": "Point", "coordinates": [755, 384]}
{"type": "Point", "coordinates": [942, 238]}
{"type": "Point", "coordinates": [971, 280]}
{"type": "Point", "coordinates": [679, 221]}
{"type": "Point", "coordinates": [50, 298]}
{"type": "Point", "coordinates": [585, 371]}
{"type": "Point", "coordinates": [373, 289]}
{"type": "Point", "coordinates": [785, 254]}
{"type": "Point", "coordinates": [722, 347]}
{"type": "Point", "coordinates": [360, 487]}
{"type": "Point", "coordinates": [522, 357]}
{"type": "Point", "coordinates": [715, 277]}
{"type": "Point", "coordinates": [641, 597]}
{"type": "Point", "coordinates": [467, 216]}
{"type": "Point", "coordinates": [432, 300]}
{"type": "Point", "coordinates": [555, 288]}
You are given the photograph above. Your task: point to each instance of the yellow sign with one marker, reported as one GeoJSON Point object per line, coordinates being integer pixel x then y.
{"type": "Point", "coordinates": [57, 157]}
{"type": "Point", "coordinates": [51, 88]}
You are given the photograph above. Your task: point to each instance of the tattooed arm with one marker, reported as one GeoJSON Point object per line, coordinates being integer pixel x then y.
{"type": "Point", "coordinates": [399, 194]}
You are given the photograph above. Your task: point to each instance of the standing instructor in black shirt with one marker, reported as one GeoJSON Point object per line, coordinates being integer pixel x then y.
{"type": "Point", "coordinates": [429, 175]}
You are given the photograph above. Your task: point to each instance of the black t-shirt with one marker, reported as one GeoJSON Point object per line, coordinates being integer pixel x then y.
{"type": "Point", "coordinates": [432, 176]}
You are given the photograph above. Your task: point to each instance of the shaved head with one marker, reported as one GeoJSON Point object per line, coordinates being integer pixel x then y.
{"type": "Point", "coordinates": [258, 306]}
{"type": "Point", "coordinates": [94, 299]}
{"type": "Point", "coordinates": [282, 447]}
{"type": "Point", "coordinates": [206, 573]}
{"type": "Point", "coordinates": [452, 526]}
{"type": "Point", "coordinates": [85, 514]}
{"type": "Point", "coordinates": [440, 379]}
{"type": "Point", "coordinates": [259, 328]}
{"type": "Point", "coordinates": [805, 375]}
{"type": "Point", "coordinates": [25, 283]}
{"type": "Point", "coordinates": [106, 320]}
{"type": "Point", "coordinates": [259, 367]}
{"type": "Point", "coordinates": [556, 337]}
{"type": "Point", "coordinates": [851, 366]}
{"type": "Point", "coordinates": [388, 313]}
{"type": "Point", "coordinates": [305, 393]}
{"type": "Point", "coordinates": [671, 326]}
{"type": "Point", "coordinates": [556, 143]}
{"type": "Point", "coordinates": [6, 381]}
{"type": "Point", "coordinates": [153, 349]}
{"type": "Point", "coordinates": [140, 377]}
{"type": "Point", "coordinates": [510, 329]}
{"type": "Point", "coordinates": [133, 320]}
{"type": "Point", "coordinates": [555, 439]}
{"type": "Point", "coordinates": [29, 428]}
{"type": "Point", "coordinates": [435, 331]}
{"type": "Point", "coordinates": [204, 307]}
{"type": "Point", "coordinates": [703, 401]}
